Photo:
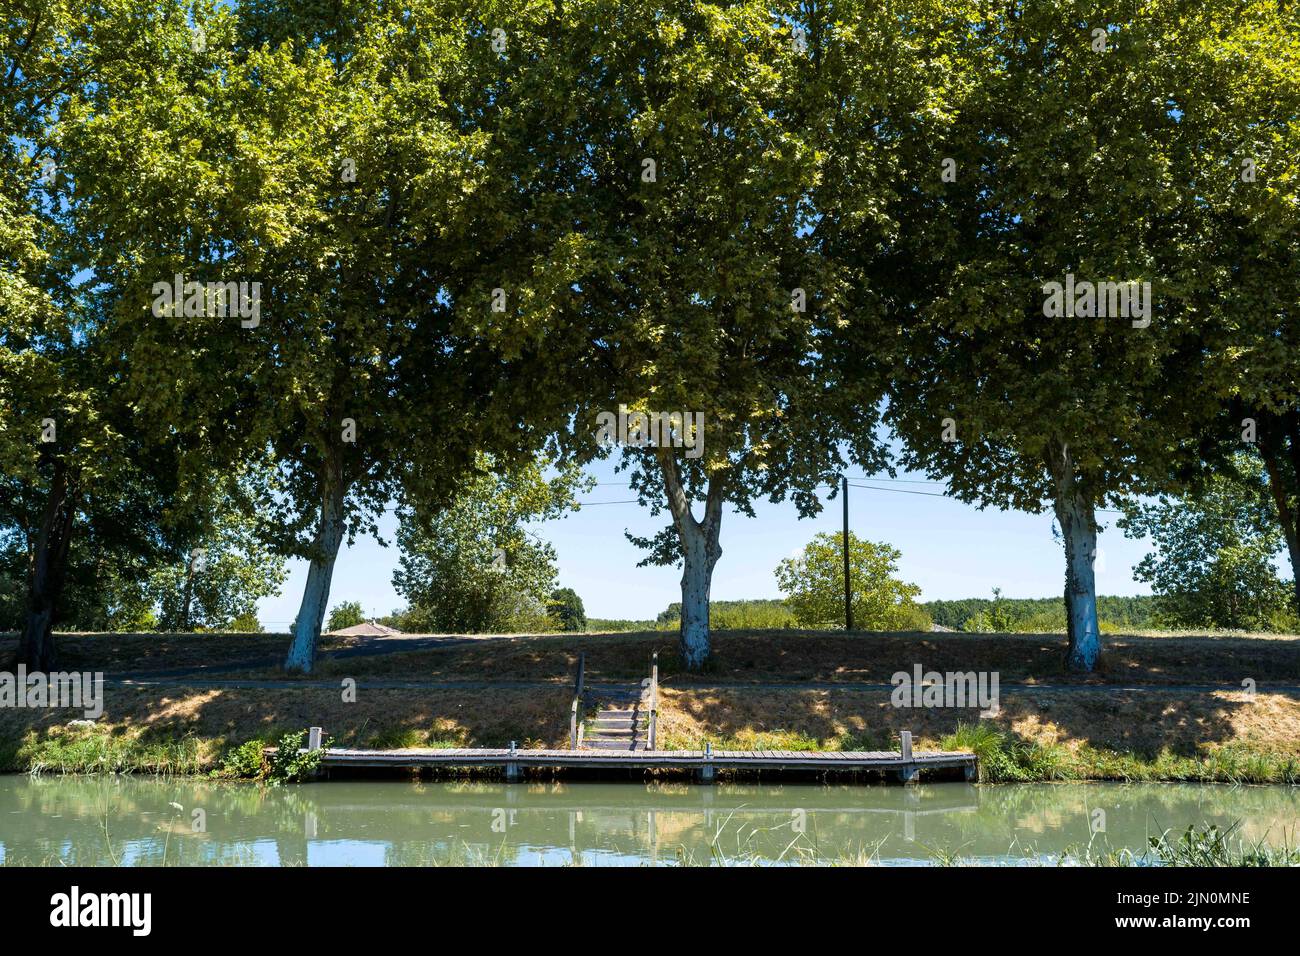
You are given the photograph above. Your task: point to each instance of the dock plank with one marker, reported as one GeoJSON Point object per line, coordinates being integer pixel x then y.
{"type": "Point", "coordinates": [645, 759]}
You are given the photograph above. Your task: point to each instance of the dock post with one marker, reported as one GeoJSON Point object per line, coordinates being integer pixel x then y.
{"type": "Point", "coordinates": [706, 769]}
{"type": "Point", "coordinates": [908, 772]}
{"type": "Point", "coordinates": [972, 771]}
{"type": "Point", "coordinates": [315, 739]}
{"type": "Point", "coordinates": [512, 768]}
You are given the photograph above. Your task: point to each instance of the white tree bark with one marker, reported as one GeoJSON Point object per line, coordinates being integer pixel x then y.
{"type": "Point", "coordinates": [1078, 521]}
{"type": "Point", "coordinates": [700, 553]}
{"type": "Point", "coordinates": [315, 596]}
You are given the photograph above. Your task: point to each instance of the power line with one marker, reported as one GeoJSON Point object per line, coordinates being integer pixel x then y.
{"type": "Point", "coordinates": [935, 494]}
{"type": "Point", "coordinates": [901, 491]}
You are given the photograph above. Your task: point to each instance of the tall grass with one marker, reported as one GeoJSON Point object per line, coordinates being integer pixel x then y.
{"type": "Point", "coordinates": [1005, 758]}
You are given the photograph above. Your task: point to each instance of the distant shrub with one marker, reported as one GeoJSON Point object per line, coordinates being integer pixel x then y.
{"type": "Point", "coordinates": [566, 607]}
{"type": "Point", "coordinates": [599, 624]}
{"type": "Point", "coordinates": [754, 614]}
{"type": "Point", "coordinates": [245, 623]}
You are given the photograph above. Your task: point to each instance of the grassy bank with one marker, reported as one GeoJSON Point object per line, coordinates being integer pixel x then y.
{"type": "Point", "coordinates": [811, 656]}
{"type": "Point", "coordinates": [1124, 723]}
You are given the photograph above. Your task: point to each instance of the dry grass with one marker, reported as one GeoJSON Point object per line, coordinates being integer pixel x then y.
{"type": "Point", "coordinates": [1099, 731]}
{"type": "Point", "coordinates": [148, 652]}
{"type": "Point", "coordinates": [1095, 730]}
{"type": "Point", "coordinates": [211, 721]}
{"type": "Point", "coordinates": [1141, 722]}
{"type": "Point", "coordinates": [802, 656]}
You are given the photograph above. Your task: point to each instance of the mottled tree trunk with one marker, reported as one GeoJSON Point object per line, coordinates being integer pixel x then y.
{"type": "Point", "coordinates": [1078, 522]}
{"type": "Point", "coordinates": [1283, 468]}
{"type": "Point", "coordinates": [47, 570]}
{"type": "Point", "coordinates": [315, 596]}
{"type": "Point", "coordinates": [700, 553]}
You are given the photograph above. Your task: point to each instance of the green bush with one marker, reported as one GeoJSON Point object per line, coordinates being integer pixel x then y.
{"type": "Point", "coordinates": [245, 762]}
{"type": "Point", "coordinates": [290, 764]}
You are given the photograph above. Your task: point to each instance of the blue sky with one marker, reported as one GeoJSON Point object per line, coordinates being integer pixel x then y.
{"type": "Point", "coordinates": [950, 549]}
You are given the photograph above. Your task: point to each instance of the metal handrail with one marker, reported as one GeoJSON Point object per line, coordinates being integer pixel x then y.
{"type": "Point", "coordinates": [575, 728]}
{"type": "Point", "coordinates": [654, 701]}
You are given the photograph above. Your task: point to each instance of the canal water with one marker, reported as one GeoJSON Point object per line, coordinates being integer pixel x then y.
{"type": "Point", "coordinates": [145, 821]}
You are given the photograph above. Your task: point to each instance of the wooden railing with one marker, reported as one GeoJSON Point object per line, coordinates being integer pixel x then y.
{"type": "Point", "coordinates": [654, 701]}
{"type": "Point", "coordinates": [575, 720]}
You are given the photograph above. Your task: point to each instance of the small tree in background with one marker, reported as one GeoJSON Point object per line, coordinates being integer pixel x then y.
{"type": "Point", "coordinates": [995, 619]}
{"type": "Point", "coordinates": [566, 607]}
{"type": "Point", "coordinates": [1213, 563]}
{"type": "Point", "coordinates": [473, 567]}
{"type": "Point", "coordinates": [347, 614]}
{"type": "Point", "coordinates": [814, 586]}
{"type": "Point", "coordinates": [246, 622]}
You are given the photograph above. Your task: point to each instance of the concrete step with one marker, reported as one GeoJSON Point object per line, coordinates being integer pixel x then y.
{"type": "Point", "coordinates": [622, 742]}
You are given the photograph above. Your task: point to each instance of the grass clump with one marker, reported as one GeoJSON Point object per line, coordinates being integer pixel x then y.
{"type": "Point", "coordinates": [245, 762]}
{"type": "Point", "coordinates": [98, 750]}
{"type": "Point", "coordinates": [1005, 759]}
{"type": "Point", "coordinates": [1211, 846]}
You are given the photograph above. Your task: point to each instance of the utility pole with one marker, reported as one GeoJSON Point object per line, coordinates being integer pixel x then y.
{"type": "Point", "coordinates": [848, 581]}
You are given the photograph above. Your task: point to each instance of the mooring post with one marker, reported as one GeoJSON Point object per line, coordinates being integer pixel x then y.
{"type": "Point", "coordinates": [314, 736]}
{"type": "Point", "coordinates": [908, 772]}
{"type": "Point", "coordinates": [706, 769]}
{"type": "Point", "coordinates": [512, 768]}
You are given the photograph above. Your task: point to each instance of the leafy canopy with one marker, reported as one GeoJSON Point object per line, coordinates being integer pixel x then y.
{"type": "Point", "coordinates": [813, 584]}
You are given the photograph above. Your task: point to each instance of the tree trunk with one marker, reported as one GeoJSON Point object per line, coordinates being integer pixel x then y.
{"type": "Point", "coordinates": [187, 596]}
{"type": "Point", "coordinates": [47, 569]}
{"type": "Point", "coordinates": [1281, 480]}
{"type": "Point", "coordinates": [315, 596]}
{"type": "Point", "coordinates": [1077, 517]}
{"type": "Point", "coordinates": [700, 553]}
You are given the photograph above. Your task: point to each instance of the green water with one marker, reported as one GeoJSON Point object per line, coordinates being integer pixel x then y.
{"type": "Point", "coordinates": [143, 821]}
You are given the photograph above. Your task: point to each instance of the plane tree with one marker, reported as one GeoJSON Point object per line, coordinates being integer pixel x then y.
{"type": "Point", "coordinates": [69, 459]}
{"type": "Point", "coordinates": [1045, 191]}
{"type": "Point", "coordinates": [1242, 128]}
{"type": "Point", "coordinates": [331, 172]}
{"type": "Point", "coordinates": [705, 289]}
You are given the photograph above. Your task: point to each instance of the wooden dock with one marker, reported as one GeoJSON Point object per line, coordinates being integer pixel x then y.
{"type": "Point", "coordinates": [704, 764]}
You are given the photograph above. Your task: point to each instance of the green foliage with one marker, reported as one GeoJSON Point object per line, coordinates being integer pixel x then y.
{"type": "Point", "coordinates": [736, 615]}
{"type": "Point", "coordinates": [224, 569]}
{"type": "Point", "coordinates": [245, 622]}
{"type": "Point", "coordinates": [814, 586]}
{"type": "Point", "coordinates": [1211, 846]}
{"type": "Point", "coordinates": [566, 607]}
{"type": "Point", "coordinates": [291, 764]}
{"type": "Point", "coordinates": [1004, 758]}
{"type": "Point", "coordinates": [347, 614]}
{"type": "Point", "coordinates": [1041, 615]}
{"type": "Point", "coordinates": [601, 624]}
{"type": "Point", "coordinates": [246, 762]}
{"type": "Point", "coordinates": [473, 567]}
{"type": "Point", "coordinates": [996, 618]}
{"type": "Point", "coordinates": [1213, 563]}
